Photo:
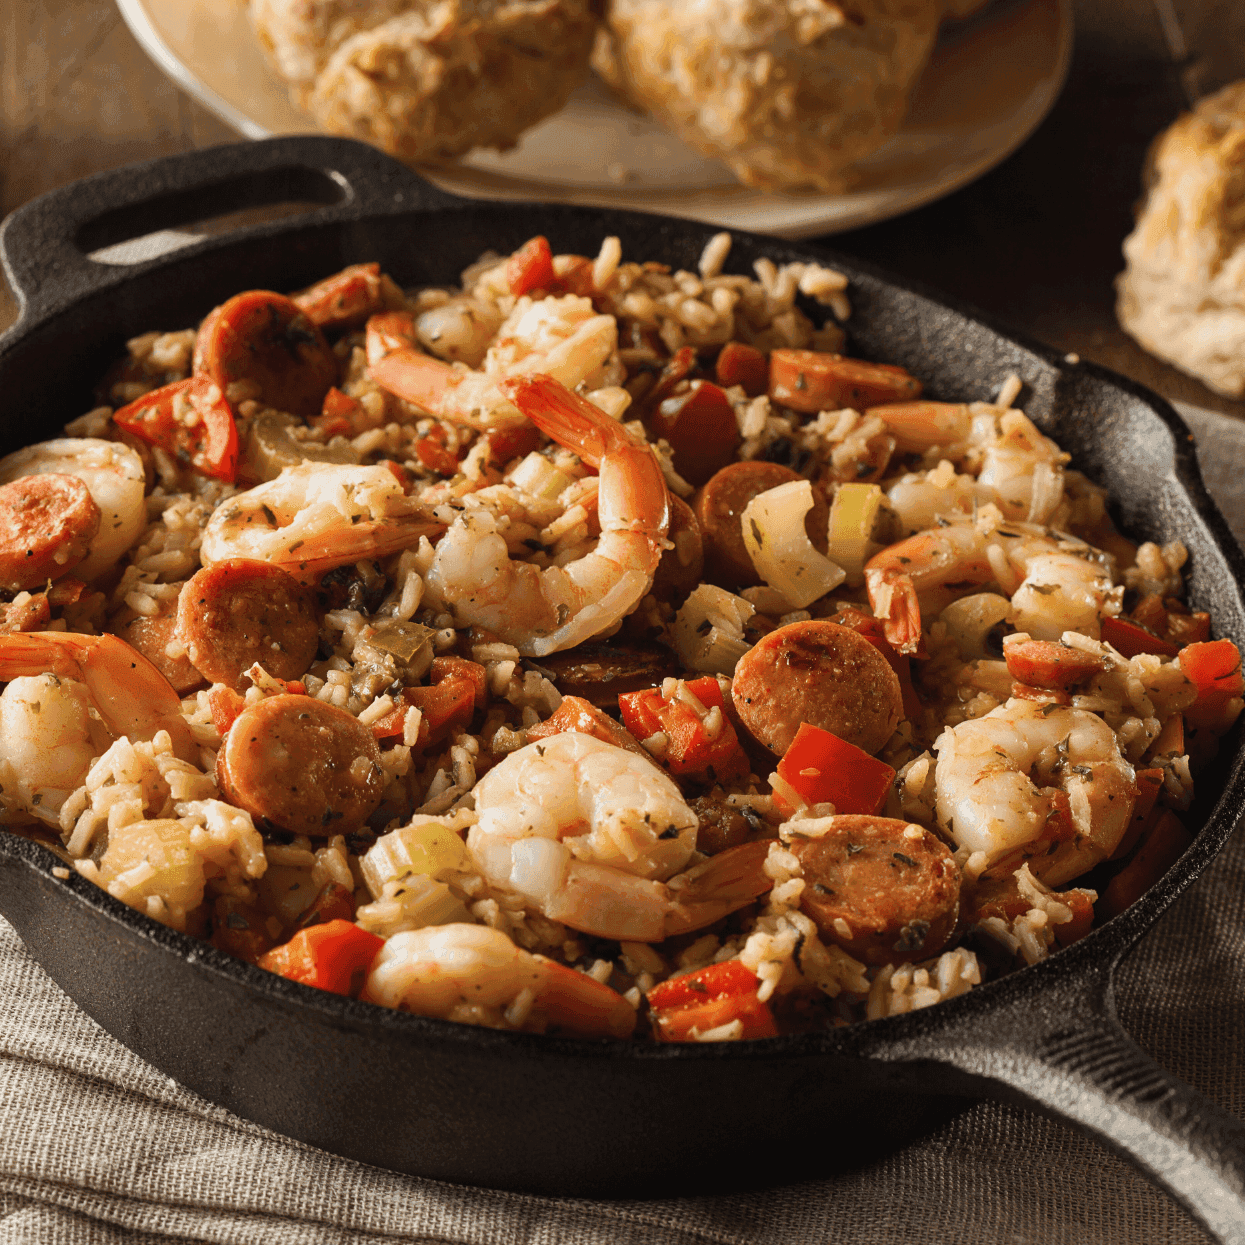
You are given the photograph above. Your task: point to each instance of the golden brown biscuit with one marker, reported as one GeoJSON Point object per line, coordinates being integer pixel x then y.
{"type": "Point", "coordinates": [786, 92]}
{"type": "Point", "coordinates": [1182, 295]}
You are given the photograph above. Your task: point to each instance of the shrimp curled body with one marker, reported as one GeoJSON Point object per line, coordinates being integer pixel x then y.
{"type": "Point", "coordinates": [1035, 782]}
{"type": "Point", "coordinates": [592, 836]}
{"type": "Point", "coordinates": [317, 516]}
{"type": "Point", "coordinates": [67, 697]}
{"type": "Point", "coordinates": [1056, 582]}
{"type": "Point", "coordinates": [542, 611]}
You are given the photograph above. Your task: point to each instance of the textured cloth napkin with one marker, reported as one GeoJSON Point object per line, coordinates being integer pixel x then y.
{"type": "Point", "coordinates": [98, 1147]}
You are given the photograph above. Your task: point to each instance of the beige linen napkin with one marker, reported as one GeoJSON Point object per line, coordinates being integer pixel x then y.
{"type": "Point", "coordinates": [98, 1148]}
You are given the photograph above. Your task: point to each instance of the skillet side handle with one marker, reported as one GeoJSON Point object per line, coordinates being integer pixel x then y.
{"type": "Point", "coordinates": [1064, 1052]}
{"type": "Point", "coordinates": [46, 244]}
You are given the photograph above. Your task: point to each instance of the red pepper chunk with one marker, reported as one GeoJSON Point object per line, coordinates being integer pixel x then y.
{"type": "Point", "coordinates": [198, 430]}
{"type": "Point", "coordinates": [1215, 667]}
{"type": "Point", "coordinates": [707, 999]}
{"type": "Point", "coordinates": [826, 769]}
{"type": "Point", "coordinates": [1130, 639]}
{"type": "Point", "coordinates": [530, 267]}
{"type": "Point", "coordinates": [331, 956]}
{"type": "Point", "coordinates": [445, 706]}
{"type": "Point", "coordinates": [690, 749]}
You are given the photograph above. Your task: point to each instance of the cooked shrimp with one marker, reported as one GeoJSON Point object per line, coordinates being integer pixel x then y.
{"type": "Point", "coordinates": [113, 474]}
{"type": "Point", "coordinates": [317, 516]}
{"type": "Point", "coordinates": [590, 835]}
{"type": "Point", "coordinates": [1016, 467]}
{"type": "Point", "coordinates": [1056, 583]}
{"type": "Point", "coordinates": [68, 697]}
{"type": "Point", "coordinates": [559, 337]}
{"type": "Point", "coordinates": [50, 740]}
{"type": "Point", "coordinates": [1035, 782]}
{"type": "Point", "coordinates": [475, 975]}
{"type": "Point", "coordinates": [543, 611]}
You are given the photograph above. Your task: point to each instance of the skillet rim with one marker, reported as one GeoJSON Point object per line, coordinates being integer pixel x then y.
{"type": "Point", "coordinates": [1102, 949]}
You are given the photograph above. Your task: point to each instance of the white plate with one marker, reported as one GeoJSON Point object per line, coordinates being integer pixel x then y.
{"type": "Point", "coordinates": [989, 83]}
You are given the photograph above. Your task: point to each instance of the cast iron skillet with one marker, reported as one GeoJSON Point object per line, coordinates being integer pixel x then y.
{"type": "Point", "coordinates": [556, 1115]}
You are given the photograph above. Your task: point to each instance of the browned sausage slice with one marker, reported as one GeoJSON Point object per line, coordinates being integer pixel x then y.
{"type": "Point", "coordinates": [600, 673]}
{"type": "Point", "coordinates": [239, 612]}
{"type": "Point", "coordinates": [47, 523]}
{"type": "Point", "coordinates": [884, 890]}
{"type": "Point", "coordinates": [151, 635]}
{"type": "Point", "coordinates": [301, 765]}
{"type": "Point", "coordinates": [265, 338]}
{"type": "Point", "coordinates": [820, 673]}
{"type": "Point", "coordinates": [719, 506]}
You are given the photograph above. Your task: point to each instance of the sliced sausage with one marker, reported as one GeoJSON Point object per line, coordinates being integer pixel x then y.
{"type": "Point", "coordinates": [885, 891]}
{"type": "Point", "coordinates": [239, 612]}
{"type": "Point", "coordinates": [298, 764]}
{"type": "Point", "coordinates": [151, 635]}
{"type": "Point", "coordinates": [601, 672]}
{"type": "Point", "coordinates": [268, 340]}
{"type": "Point", "coordinates": [698, 421]}
{"type": "Point", "coordinates": [681, 567]}
{"type": "Point", "coordinates": [47, 523]}
{"type": "Point", "coordinates": [719, 825]}
{"type": "Point", "coordinates": [719, 508]}
{"type": "Point", "coordinates": [820, 673]}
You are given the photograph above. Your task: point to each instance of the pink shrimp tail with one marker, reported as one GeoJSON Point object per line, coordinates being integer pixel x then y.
{"type": "Point", "coordinates": [633, 494]}
{"type": "Point", "coordinates": [562, 414]}
{"type": "Point", "coordinates": [894, 600]}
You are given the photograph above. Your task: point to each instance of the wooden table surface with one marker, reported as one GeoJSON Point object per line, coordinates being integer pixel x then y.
{"type": "Point", "coordinates": [1036, 242]}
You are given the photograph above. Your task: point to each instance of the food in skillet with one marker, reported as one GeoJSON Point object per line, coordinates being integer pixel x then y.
{"type": "Point", "coordinates": [428, 80]}
{"type": "Point", "coordinates": [591, 648]}
{"type": "Point", "coordinates": [1182, 294]}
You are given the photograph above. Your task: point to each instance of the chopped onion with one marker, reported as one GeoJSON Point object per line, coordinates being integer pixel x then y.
{"type": "Point", "coordinates": [774, 535]}
{"type": "Point", "coordinates": [709, 630]}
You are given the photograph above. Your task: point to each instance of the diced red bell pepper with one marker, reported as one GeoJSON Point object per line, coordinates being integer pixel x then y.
{"type": "Point", "coordinates": [707, 999]}
{"type": "Point", "coordinates": [689, 750]}
{"type": "Point", "coordinates": [433, 454]}
{"type": "Point", "coordinates": [205, 439]}
{"type": "Point", "coordinates": [530, 267]}
{"type": "Point", "coordinates": [335, 955]}
{"type": "Point", "coordinates": [700, 425]}
{"type": "Point", "coordinates": [334, 903]}
{"type": "Point", "coordinates": [1130, 638]}
{"type": "Point", "coordinates": [826, 769]}
{"type": "Point", "coordinates": [448, 667]}
{"type": "Point", "coordinates": [738, 364]}
{"type": "Point", "coordinates": [1162, 847]}
{"type": "Point", "coordinates": [446, 706]}
{"type": "Point", "coordinates": [1215, 667]}
{"type": "Point", "coordinates": [340, 415]}
{"type": "Point", "coordinates": [225, 705]}
{"type": "Point", "coordinates": [507, 444]}
{"type": "Point", "coordinates": [1149, 784]}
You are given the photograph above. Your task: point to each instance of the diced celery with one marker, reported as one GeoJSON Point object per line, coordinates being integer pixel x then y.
{"type": "Point", "coordinates": [426, 848]}
{"type": "Point", "coordinates": [853, 516]}
{"type": "Point", "coordinates": [774, 535]}
{"type": "Point", "coordinates": [539, 477]}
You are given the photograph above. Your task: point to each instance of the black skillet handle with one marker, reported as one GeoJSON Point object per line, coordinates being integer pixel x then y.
{"type": "Point", "coordinates": [46, 244]}
{"type": "Point", "coordinates": [1057, 1046]}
